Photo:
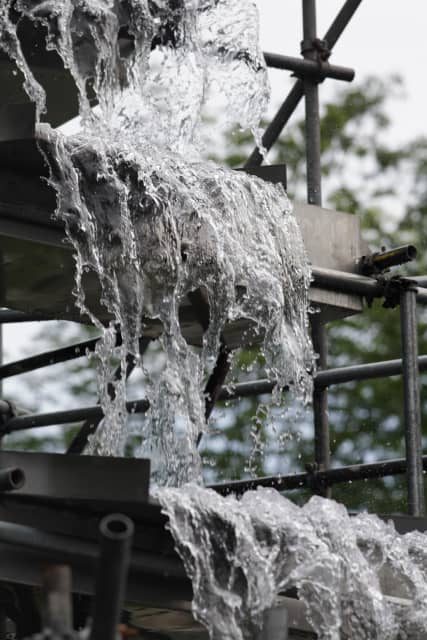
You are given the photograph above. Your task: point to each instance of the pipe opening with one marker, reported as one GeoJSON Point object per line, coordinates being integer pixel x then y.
{"type": "Point", "coordinates": [116, 526]}
{"type": "Point", "coordinates": [412, 252]}
{"type": "Point", "coordinates": [17, 478]}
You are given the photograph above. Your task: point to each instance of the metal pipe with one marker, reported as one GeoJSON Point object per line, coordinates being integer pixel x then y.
{"type": "Point", "coordinates": [312, 112]}
{"type": "Point", "coordinates": [322, 445]}
{"type": "Point", "coordinates": [314, 196]}
{"type": "Point", "coordinates": [356, 284]}
{"type": "Point", "coordinates": [350, 473]}
{"type": "Point", "coordinates": [326, 378]}
{"type": "Point", "coordinates": [116, 538]}
{"type": "Point", "coordinates": [319, 70]}
{"type": "Point", "coordinates": [360, 372]}
{"type": "Point", "coordinates": [275, 128]}
{"type": "Point", "coordinates": [66, 417]}
{"type": "Point", "coordinates": [347, 282]}
{"type": "Point", "coordinates": [379, 261]}
{"type": "Point", "coordinates": [341, 21]}
{"type": "Point", "coordinates": [48, 358]}
{"type": "Point", "coordinates": [421, 295]}
{"type": "Point", "coordinates": [11, 479]}
{"type": "Point", "coordinates": [246, 389]}
{"type": "Point", "coordinates": [412, 410]}
{"type": "Point", "coordinates": [216, 380]}
{"type": "Point", "coordinates": [420, 280]}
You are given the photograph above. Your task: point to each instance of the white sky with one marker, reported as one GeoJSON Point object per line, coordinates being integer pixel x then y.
{"type": "Point", "coordinates": [383, 37]}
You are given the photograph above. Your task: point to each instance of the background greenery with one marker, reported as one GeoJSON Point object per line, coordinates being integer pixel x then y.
{"type": "Point", "coordinates": [386, 186]}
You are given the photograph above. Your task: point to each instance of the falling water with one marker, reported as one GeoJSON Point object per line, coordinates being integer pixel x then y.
{"type": "Point", "coordinates": [154, 221]}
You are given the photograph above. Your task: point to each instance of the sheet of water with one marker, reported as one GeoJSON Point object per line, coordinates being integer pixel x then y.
{"type": "Point", "coordinates": [356, 576]}
{"type": "Point", "coordinates": [154, 221]}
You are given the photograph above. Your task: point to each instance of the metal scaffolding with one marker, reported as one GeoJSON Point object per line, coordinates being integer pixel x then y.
{"type": "Point", "coordinates": [310, 70]}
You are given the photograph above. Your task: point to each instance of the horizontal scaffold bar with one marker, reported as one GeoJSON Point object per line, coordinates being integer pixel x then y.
{"type": "Point", "coordinates": [361, 285]}
{"type": "Point", "coordinates": [69, 416]}
{"type": "Point", "coordinates": [318, 479]}
{"type": "Point", "coordinates": [309, 67]}
{"type": "Point", "coordinates": [325, 378]}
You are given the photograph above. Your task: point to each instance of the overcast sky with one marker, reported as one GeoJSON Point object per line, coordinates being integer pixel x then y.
{"type": "Point", "coordinates": [384, 36]}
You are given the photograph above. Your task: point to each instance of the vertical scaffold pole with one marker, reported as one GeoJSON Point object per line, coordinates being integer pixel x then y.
{"type": "Point", "coordinates": [411, 382]}
{"type": "Point", "coordinates": [314, 196]}
{"type": "Point", "coordinates": [312, 117]}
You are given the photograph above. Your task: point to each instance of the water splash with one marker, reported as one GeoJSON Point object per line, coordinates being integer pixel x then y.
{"type": "Point", "coordinates": [152, 220]}
{"type": "Point", "coordinates": [355, 575]}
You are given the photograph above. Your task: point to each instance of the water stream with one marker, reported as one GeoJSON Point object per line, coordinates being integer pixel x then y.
{"type": "Point", "coordinates": [154, 221]}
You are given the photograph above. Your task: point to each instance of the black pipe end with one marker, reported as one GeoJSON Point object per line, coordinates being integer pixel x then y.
{"type": "Point", "coordinates": [116, 527]}
{"type": "Point", "coordinates": [412, 252]}
{"type": "Point", "coordinates": [380, 261]}
{"type": "Point", "coordinates": [11, 479]}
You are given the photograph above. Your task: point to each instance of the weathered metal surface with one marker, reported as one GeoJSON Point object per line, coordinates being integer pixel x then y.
{"type": "Point", "coordinates": [333, 240]}
{"type": "Point", "coordinates": [80, 478]}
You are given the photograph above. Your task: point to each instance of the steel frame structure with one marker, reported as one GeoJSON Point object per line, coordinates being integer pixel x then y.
{"type": "Point", "coordinates": [310, 70]}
